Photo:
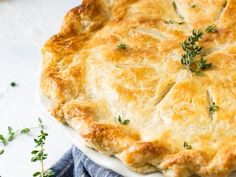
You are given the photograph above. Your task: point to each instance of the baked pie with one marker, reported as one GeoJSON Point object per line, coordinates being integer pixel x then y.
{"type": "Point", "coordinates": [151, 82]}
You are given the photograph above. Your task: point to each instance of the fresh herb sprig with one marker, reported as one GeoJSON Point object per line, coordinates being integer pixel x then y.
{"type": "Point", "coordinates": [211, 29]}
{"type": "Point", "coordinates": [187, 145]}
{"type": "Point", "coordinates": [192, 50]}
{"type": "Point", "coordinates": [174, 22]}
{"type": "Point", "coordinates": [5, 139]}
{"type": "Point", "coordinates": [122, 122]}
{"type": "Point", "coordinates": [122, 46]}
{"type": "Point", "coordinates": [39, 153]}
{"type": "Point", "coordinates": [213, 108]}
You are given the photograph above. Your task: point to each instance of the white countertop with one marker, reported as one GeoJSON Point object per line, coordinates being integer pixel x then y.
{"type": "Point", "coordinates": [24, 27]}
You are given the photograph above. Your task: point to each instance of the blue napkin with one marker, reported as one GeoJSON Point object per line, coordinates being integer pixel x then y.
{"type": "Point", "coordinates": [76, 164]}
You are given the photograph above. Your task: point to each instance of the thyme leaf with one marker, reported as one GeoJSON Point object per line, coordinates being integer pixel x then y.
{"type": "Point", "coordinates": [213, 108]}
{"type": "Point", "coordinates": [11, 134]}
{"type": "Point", "coordinates": [13, 84]}
{"type": "Point", "coordinates": [187, 145]}
{"type": "Point", "coordinates": [174, 22]}
{"type": "Point", "coordinates": [224, 4]}
{"type": "Point", "coordinates": [3, 140]}
{"type": "Point", "coordinates": [122, 46]}
{"type": "Point", "coordinates": [174, 5]}
{"type": "Point", "coordinates": [211, 29]}
{"type": "Point", "coordinates": [1, 151]}
{"type": "Point", "coordinates": [122, 122]}
{"type": "Point", "coordinates": [25, 130]}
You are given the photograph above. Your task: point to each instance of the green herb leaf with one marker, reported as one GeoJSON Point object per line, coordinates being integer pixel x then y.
{"type": "Point", "coordinates": [48, 173]}
{"type": "Point", "coordinates": [3, 140]}
{"type": "Point", "coordinates": [1, 151]}
{"type": "Point", "coordinates": [126, 122]}
{"type": "Point", "coordinates": [213, 108]}
{"type": "Point", "coordinates": [25, 130]}
{"type": "Point", "coordinates": [174, 5]}
{"type": "Point", "coordinates": [34, 152]}
{"type": "Point", "coordinates": [187, 146]}
{"type": "Point", "coordinates": [169, 22]}
{"type": "Point", "coordinates": [36, 174]}
{"type": "Point", "coordinates": [224, 4]}
{"type": "Point", "coordinates": [122, 46]}
{"type": "Point", "coordinates": [202, 64]}
{"type": "Point", "coordinates": [122, 122]}
{"type": "Point", "coordinates": [181, 23]}
{"type": "Point", "coordinates": [199, 73]}
{"type": "Point", "coordinates": [11, 134]}
{"type": "Point", "coordinates": [211, 29]}
{"type": "Point", "coordinates": [174, 22]}
{"type": "Point", "coordinates": [13, 84]}
{"type": "Point", "coordinates": [40, 123]}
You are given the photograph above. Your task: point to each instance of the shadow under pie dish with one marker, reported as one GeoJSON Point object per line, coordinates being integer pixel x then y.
{"type": "Point", "coordinates": [151, 82]}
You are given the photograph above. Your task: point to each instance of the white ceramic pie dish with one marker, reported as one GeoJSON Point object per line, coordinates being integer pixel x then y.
{"type": "Point", "coordinates": [102, 160]}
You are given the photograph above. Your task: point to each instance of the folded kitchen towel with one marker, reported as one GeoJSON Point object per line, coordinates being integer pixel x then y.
{"type": "Point", "coordinates": [76, 164]}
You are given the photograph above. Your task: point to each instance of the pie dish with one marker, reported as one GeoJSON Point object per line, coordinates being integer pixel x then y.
{"type": "Point", "coordinates": [121, 59]}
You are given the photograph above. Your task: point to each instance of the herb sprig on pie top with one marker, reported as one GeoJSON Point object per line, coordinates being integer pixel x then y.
{"type": "Point", "coordinates": [192, 52]}
{"type": "Point", "coordinates": [213, 108]}
{"type": "Point", "coordinates": [120, 121]}
{"type": "Point", "coordinates": [122, 46]}
{"type": "Point", "coordinates": [187, 145]}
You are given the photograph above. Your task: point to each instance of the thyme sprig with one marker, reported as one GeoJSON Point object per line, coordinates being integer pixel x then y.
{"type": "Point", "coordinates": [211, 29]}
{"type": "Point", "coordinates": [5, 139]}
{"type": "Point", "coordinates": [192, 50]}
{"type": "Point", "coordinates": [122, 122]}
{"type": "Point", "coordinates": [213, 108]}
{"type": "Point", "coordinates": [122, 46]}
{"type": "Point", "coordinates": [174, 22]}
{"type": "Point", "coordinates": [187, 145]}
{"type": "Point", "coordinates": [39, 153]}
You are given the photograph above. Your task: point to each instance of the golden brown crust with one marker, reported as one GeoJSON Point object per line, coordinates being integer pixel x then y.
{"type": "Point", "coordinates": [90, 81]}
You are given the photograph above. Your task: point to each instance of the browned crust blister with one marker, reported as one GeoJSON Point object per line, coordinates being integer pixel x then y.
{"type": "Point", "coordinates": [71, 104]}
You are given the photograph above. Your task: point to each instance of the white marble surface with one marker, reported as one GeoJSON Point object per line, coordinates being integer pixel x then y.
{"type": "Point", "coordinates": [24, 26]}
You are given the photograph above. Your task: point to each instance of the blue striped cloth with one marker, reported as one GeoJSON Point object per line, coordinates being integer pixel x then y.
{"type": "Point", "coordinates": [75, 164]}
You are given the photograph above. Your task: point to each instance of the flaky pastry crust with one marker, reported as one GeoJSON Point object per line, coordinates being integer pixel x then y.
{"type": "Point", "coordinates": [90, 81]}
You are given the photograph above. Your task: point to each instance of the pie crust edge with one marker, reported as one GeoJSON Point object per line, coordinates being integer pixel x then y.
{"type": "Point", "coordinates": [143, 157]}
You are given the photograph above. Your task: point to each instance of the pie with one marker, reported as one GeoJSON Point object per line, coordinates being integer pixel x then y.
{"type": "Point", "coordinates": [114, 74]}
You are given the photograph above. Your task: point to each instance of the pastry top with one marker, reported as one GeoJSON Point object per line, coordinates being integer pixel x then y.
{"type": "Point", "coordinates": [121, 58]}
